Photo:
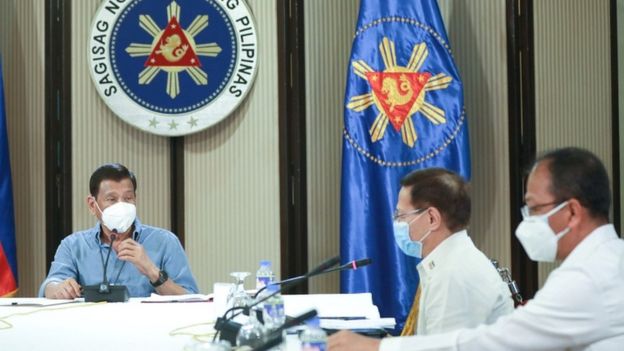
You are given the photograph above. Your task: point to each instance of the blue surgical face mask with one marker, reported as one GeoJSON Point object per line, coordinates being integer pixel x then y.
{"type": "Point", "coordinates": [403, 240]}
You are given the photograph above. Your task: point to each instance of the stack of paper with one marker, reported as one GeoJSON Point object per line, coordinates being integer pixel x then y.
{"type": "Point", "coordinates": [358, 323]}
{"type": "Point", "coordinates": [339, 311]}
{"type": "Point", "coordinates": [154, 298]}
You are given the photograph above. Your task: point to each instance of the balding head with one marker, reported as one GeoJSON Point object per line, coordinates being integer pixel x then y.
{"type": "Point", "coordinates": [579, 174]}
{"type": "Point", "coordinates": [442, 189]}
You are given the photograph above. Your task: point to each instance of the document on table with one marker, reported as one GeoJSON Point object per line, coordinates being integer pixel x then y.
{"type": "Point", "coordinates": [354, 324]}
{"type": "Point", "coordinates": [333, 305]}
{"type": "Point", "coordinates": [36, 301]}
{"type": "Point", "coordinates": [155, 298]}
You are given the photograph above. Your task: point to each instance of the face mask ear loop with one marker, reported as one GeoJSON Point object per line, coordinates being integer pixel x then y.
{"type": "Point", "coordinates": [410, 223]}
{"type": "Point", "coordinates": [98, 206]}
{"type": "Point", "coordinates": [555, 210]}
{"type": "Point", "coordinates": [547, 215]}
{"type": "Point", "coordinates": [429, 232]}
{"type": "Point", "coordinates": [415, 218]}
{"type": "Point", "coordinates": [562, 233]}
{"type": "Point", "coordinates": [425, 236]}
{"type": "Point", "coordinates": [409, 226]}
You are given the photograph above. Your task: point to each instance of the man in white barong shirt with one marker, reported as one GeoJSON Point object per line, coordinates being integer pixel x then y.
{"type": "Point", "coordinates": [581, 306]}
{"type": "Point", "coordinates": [459, 286]}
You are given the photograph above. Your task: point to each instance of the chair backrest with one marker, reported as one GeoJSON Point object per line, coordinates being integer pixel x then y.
{"type": "Point", "coordinates": [505, 275]}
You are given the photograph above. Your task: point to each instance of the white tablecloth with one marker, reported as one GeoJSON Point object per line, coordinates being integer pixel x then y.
{"type": "Point", "coordinates": [103, 326]}
{"type": "Point", "coordinates": [138, 325]}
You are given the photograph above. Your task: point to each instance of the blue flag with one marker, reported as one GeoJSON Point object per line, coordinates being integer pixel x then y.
{"type": "Point", "coordinates": [8, 261]}
{"type": "Point", "coordinates": [404, 110]}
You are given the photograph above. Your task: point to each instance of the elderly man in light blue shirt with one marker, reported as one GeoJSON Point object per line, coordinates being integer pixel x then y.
{"type": "Point", "coordinates": [145, 259]}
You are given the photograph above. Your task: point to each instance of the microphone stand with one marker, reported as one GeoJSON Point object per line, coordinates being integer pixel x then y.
{"type": "Point", "coordinates": [511, 284]}
{"type": "Point", "coordinates": [284, 285]}
{"type": "Point", "coordinates": [227, 329]}
{"type": "Point", "coordinates": [282, 282]}
{"type": "Point", "coordinates": [104, 291]}
{"type": "Point", "coordinates": [318, 270]}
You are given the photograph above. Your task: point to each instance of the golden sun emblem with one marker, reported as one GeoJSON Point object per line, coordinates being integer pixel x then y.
{"type": "Point", "coordinates": [173, 50]}
{"type": "Point", "coordinates": [399, 92]}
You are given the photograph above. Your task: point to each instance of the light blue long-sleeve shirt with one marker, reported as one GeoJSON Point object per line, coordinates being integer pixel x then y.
{"type": "Point", "coordinates": [80, 256]}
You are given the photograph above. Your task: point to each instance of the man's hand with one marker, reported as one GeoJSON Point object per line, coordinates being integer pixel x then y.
{"type": "Point", "coordinates": [67, 289]}
{"type": "Point", "coordinates": [348, 341]}
{"type": "Point", "coordinates": [130, 250]}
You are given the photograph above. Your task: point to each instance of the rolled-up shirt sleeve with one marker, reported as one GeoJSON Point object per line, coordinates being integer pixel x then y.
{"type": "Point", "coordinates": [62, 268]}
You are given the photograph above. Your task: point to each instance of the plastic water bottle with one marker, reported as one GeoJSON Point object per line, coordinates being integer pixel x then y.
{"type": "Point", "coordinates": [273, 310]}
{"type": "Point", "coordinates": [264, 275]}
{"type": "Point", "coordinates": [313, 338]}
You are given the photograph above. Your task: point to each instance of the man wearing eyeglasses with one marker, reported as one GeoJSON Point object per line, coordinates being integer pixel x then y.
{"type": "Point", "coordinates": [459, 285]}
{"type": "Point", "coordinates": [581, 305]}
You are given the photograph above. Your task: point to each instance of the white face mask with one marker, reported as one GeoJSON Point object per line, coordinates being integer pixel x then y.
{"type": "Point", "coordinates": [118, 217]}
{"type": "Point", "coordinates": [537, 238]}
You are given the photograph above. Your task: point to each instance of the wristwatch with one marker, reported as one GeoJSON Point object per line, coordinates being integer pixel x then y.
{"type": "Point", "coordinates": [162, 278]}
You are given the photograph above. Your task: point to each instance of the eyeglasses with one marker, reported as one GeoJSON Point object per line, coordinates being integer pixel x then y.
{"type": "Point", "coordinates": [398, 215]}
{"type": "Point", "coordinates": [530, 211]}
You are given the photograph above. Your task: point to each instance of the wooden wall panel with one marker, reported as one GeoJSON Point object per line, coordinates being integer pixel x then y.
{"type": "Point", "coordinates": [99, 136]}
{"type": "Point", "coordinates": [232, 176]}
{"type": "Point", "coordinates": [22, 55]}
{"type": "Point", "coordinates": [329, 28]}
{"type": "Point", "coordinates": [477, 32]}
{"type": "Point", "coordinates": [573, 79]}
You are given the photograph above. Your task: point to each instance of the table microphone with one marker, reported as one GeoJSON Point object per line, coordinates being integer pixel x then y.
{"type": "Point", "coordinates": [317, 270]}
{"type": "Point", "coordinates": [355, 264]}
{"type": "Point", "coordinates": [105, 291]}
{"type": "Point", "coordinates": [227, 329]}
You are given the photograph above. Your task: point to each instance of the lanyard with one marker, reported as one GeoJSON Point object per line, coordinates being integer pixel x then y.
{"type": "Point", "coordinates": [120, 269]}
{"type": "Point", "coordinates": [110, 247]}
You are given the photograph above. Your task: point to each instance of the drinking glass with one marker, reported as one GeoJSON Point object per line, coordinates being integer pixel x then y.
{"type": "Point", "coordinates": [251, 333]}
{"type": "Point", "coordinates": [238, 296]}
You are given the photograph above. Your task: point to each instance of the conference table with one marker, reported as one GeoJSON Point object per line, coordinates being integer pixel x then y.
{"type": "Point", "coordinates": [139, 324]}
